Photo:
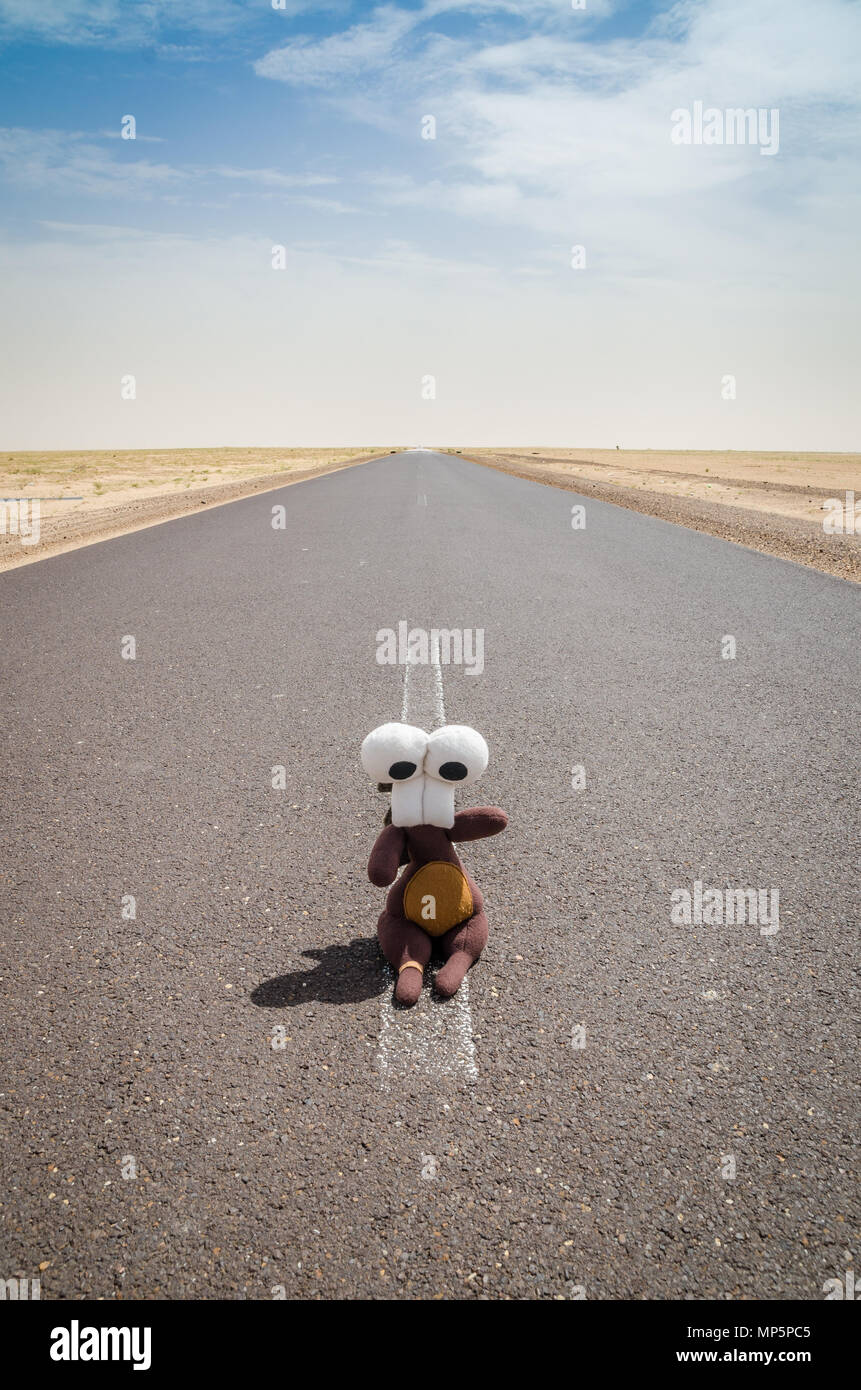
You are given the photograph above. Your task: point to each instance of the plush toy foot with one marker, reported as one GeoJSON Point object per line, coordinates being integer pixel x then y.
{"type": "Point", "coordinates": [450, 978]}
{"type": "Point", "coordinates": [409, 985]}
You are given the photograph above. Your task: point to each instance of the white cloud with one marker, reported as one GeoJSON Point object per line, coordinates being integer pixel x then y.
{"type": "Point", "coordinates": [136, 23]}
{"type": "Point", "coordinates": [568, 140]}
{"type": "Point", "coordinates": [359, 49]}
{"type": "Point", "coordinates": [382, 40]}
{"type": "Point", "coordinates": [66, 162]}
{"type": "Point", "coordinates": [115, 22]}
{"type": "Point", "coordinates": [272, 178]}
{"type": "Point", "coordinates": [69, 163]}
{"type": "Point", "coordinates": [291, 8]}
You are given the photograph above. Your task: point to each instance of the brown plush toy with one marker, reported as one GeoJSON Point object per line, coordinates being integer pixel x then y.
{"type": "Point", "coordinates": [434, 899]}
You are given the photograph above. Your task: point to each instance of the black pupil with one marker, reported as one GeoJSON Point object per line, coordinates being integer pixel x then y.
{"type": "Point", "coordinates": [400, 771]}
{"type": "Point", "coordinates": [453, 772]}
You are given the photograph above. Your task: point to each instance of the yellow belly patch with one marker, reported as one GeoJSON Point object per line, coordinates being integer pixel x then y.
{"type": "Point", "coordinates": [437, 897]}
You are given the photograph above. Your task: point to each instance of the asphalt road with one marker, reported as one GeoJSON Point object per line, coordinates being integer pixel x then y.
{"type": "Point", "coordinates": [155, 1142]}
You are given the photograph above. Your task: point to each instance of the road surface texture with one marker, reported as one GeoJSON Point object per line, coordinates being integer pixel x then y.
{"type": "Point", "coordinates": [217, 1098]}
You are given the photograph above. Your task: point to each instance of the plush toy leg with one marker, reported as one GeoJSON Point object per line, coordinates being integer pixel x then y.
{"type": "Point", "coordinates": [462, 945]}
{"type": "Point", "coordinates": [403, 941]}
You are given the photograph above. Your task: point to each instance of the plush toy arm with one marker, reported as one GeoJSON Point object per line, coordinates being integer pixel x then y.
{"type": "Point", "coordinates": [385, 856]}
{"type": "Point", "coordinates": [477, 823]}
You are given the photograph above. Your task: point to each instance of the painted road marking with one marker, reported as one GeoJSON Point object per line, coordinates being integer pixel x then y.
{"type": "Point", "coordinates": [433, 1039]}
{"type": "Point", "coordinates": [424, 700]}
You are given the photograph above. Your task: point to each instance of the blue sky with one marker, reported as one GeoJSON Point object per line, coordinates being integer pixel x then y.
{"type": "Point", "coordinates": [406, 257]}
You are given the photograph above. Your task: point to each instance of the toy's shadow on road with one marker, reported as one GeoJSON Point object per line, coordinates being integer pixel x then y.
{"type": "Point", "coordinates": [345, 973]}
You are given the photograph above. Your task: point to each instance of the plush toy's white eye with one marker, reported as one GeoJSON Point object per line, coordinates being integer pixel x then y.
{"type": "Point", "coordinates": [456, 753]}
{"type": "Point", "coordinates": [394, 752]}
